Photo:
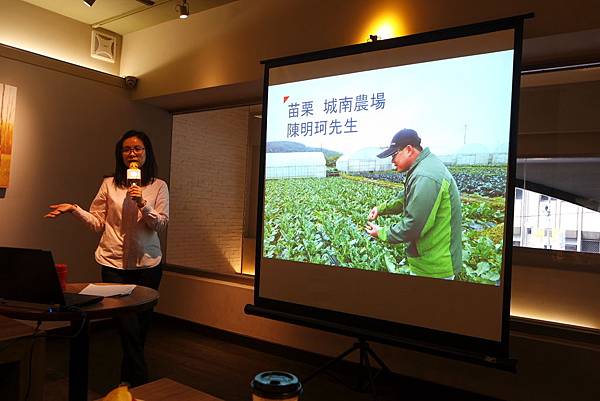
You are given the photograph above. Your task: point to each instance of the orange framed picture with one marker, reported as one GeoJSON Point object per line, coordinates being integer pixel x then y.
{"type": "Point", "coordinates": [8, 106]}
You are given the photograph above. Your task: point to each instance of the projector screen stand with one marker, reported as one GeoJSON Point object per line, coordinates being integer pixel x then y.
{"type": "Point", "coordinates": [366, 378]}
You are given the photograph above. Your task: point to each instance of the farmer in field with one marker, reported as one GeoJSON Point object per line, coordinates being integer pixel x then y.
{"type": "Point", "coordinates": [430, 209]}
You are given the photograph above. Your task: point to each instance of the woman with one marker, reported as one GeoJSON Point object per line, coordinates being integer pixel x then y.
{"type": "Point", "coordinates": [129, 218]}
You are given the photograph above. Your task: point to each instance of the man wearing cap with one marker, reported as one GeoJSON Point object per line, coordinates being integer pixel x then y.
{"type": "Point", "coordinates": [430, 209]}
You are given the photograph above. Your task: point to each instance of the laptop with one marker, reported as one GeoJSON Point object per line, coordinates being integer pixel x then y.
{"type": "Point", "coordinates": [29, 275]}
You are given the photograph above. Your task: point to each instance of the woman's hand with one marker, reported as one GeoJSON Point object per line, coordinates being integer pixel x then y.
{"type": "Point", "coordinates": [135, 192]}
{"type": "Point", "coordinates": [60, 209]}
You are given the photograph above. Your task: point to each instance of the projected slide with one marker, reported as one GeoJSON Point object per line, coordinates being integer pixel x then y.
{"type": "Point", "coordinates": [386, 191]}
{"type": "Point", "coordinates": [334, 196]}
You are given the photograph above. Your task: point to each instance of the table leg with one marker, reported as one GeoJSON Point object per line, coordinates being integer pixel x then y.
{"type": "Point", "coordinates": [78, 360]}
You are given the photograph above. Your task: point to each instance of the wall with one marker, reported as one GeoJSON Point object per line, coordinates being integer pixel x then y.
{"type": "Point", "coordinates": [562, 118]}
{"type": "Point", "coordinates": [63, 144]}
{"type": "Point", "coordinates": [549, 369]}
{"type": "Point", "coordinates": [224, 45]}
{"type": "Point", "coordinates": [207, 189]}
{"type": "Point", "coordinates": [40, 31]}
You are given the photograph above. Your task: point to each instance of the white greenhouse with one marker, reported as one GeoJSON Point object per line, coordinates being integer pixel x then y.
{"type": "Point", "coordinates": [364, 160]}
{"type": "Point", "coordinates": [473, 154]}
{"type": "Point", "coordinates": [500, 155]}
{"type": "Point", "coordinates": [295, 165]}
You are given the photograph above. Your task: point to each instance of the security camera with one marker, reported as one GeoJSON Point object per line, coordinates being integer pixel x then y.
{"type": "Point", "coordinates": [130, 81]}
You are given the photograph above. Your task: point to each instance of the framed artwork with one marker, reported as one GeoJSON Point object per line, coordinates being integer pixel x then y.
{"type": "Point", "coordinates": [8, 106]}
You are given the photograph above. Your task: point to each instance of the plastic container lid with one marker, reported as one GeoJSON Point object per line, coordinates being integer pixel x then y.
{"type": "Point", "coordinates": [276, 385]}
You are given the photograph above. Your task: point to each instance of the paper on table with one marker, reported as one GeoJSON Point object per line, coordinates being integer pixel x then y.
{"type": "Point", "coordinates": [109, 290]}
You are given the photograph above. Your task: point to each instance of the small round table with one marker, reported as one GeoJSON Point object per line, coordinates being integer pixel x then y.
{"type": "Point", "coordinates": [142, 298]}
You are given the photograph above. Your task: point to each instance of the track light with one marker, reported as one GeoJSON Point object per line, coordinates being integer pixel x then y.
{"type": "Point", "coordinates": [184, 10]}
{"type": "Point", "coordinates": [148, 3]}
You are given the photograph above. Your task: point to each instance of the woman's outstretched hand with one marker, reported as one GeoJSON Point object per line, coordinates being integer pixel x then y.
{"type": "Point", "coordinates": [60, 209]}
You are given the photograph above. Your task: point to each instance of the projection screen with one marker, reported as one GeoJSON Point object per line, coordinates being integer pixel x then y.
{"type": "Point", "coordinates": [437, 273]}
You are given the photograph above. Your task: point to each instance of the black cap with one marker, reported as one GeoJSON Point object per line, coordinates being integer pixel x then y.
{"type": "Point", "coordinates": [276, 385]}
{"type": "Point", "coordinates": [402, 138]}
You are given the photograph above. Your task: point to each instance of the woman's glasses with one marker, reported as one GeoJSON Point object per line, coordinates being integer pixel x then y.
{"type": "Point", "coordinates": [136, 149]}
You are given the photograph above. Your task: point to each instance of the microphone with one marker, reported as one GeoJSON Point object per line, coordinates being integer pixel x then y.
{"type": "Point", "coordinates": [134, 175]}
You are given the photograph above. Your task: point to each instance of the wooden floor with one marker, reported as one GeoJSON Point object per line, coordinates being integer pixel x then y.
{"type": "Point", "coordinates": [223, 365]}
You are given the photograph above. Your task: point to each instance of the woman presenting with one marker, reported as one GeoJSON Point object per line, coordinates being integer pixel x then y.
{"type": "Point", "coordinates": [129, 218]}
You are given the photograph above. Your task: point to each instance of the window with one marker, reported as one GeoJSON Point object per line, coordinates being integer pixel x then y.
{"type": "Point", "coordinates": [558, 174]}
{"type": "Point", "coordinates": [556, 206]}
{"type": "Point", "coordinates": [518, 193]}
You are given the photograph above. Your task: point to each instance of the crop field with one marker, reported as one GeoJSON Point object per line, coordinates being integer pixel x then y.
{"type": "Point", "coordinates": [321, 220]}
{"type": "Point", "coordinates": [485, 181]}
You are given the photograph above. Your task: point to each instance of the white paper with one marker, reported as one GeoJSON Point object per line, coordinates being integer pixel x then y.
{"type": "Point", "coordinates": [109, 290]}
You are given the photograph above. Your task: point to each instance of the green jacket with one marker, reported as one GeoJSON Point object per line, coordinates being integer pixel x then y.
{"type": "Point", "coordinates": [431, 219]}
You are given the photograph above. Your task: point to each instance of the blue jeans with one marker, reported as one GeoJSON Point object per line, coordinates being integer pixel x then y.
{"type": "Point", "coordinates": [133, 326]}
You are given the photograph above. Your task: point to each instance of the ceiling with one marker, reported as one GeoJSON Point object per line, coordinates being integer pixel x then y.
{"type": "Point", "coordinates": [123, 16]}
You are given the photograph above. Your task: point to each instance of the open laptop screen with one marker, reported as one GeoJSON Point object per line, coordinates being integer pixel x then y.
{"type": "Point", "coordinates": [29, 275]}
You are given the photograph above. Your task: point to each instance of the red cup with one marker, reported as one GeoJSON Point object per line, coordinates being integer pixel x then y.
{"type": "Point", "coordinates": [61, 270]}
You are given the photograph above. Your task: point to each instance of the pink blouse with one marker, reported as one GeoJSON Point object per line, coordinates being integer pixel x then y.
{"type": "Point", "coordinates": [129, 234]}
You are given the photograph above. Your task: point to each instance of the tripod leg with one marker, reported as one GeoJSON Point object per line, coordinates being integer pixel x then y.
{"type": "Point", "coordinates": [365, 351]}
{"type": "Point", "coordinates": [330, 363]}
{"type": "Point", "coordinates": [365, 369]}
{"type": "Point", "coordinates": [366, 378]}
{"type": "Point", "coordinates": [378, 360]}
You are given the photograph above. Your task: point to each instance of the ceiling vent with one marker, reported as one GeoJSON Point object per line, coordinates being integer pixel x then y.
{"type": "Point", "coordinates": [104, 46]}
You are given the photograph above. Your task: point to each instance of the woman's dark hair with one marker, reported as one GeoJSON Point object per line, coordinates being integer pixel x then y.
{"type": "Point", "coordinates": [149, 168]}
